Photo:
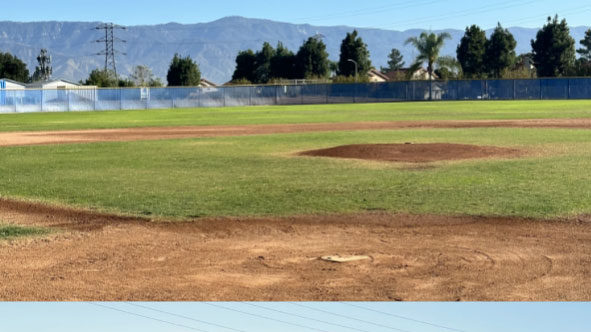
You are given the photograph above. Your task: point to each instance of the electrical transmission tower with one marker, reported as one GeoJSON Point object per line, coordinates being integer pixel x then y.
{"type": "Point", "coordinates": [110, 41]}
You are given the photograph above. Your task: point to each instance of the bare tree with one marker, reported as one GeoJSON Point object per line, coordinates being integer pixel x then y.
{"type": "Point", "coordinates": [143, 76]}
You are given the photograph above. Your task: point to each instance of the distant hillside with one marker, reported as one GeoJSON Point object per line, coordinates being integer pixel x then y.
{"type": "Point", "coordinates": [213, 45]}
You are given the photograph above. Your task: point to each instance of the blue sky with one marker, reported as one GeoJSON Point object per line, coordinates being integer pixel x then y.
{"type": "Point", "coordinates": [468, 317]}
{"type": "Point", "coordinates": [383, 14]}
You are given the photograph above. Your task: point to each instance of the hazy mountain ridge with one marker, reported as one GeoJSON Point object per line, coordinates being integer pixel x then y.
{"type": "Point", "coordinates": [213, 45]}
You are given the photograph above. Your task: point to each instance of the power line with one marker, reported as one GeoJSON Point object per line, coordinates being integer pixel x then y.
{"type": "Point", "coordinates": [403, 317]}
{"type": "Point", "coordinates": [139, 42]}
{"type": "Point", "coordinates": [304, 317]}
{"type": "Point", "coordinates": [184, 317]}
{"type": "Point", "coordinates": [482, 9]}
{"type": "Point", "coordinates": [576, 10]}
{"type": "Point", "coordinates": [370, 11]}
{"type": "Point", "coordinates": [348, 317]}
{"type": "Point", "coordinates": [264, 317]}
{"type": "Point", "coordinates": [198, 42]}
{"type": "Point", "coordinates": [339, 14]}
{"type": "Point", "coordinates": [146, 317]}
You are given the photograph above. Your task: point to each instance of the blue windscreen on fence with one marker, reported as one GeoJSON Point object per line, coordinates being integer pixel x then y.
{"type": "Point", "coordinates": [88, 99]}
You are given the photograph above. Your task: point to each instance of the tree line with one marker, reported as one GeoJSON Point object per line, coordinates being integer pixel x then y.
{"type": "Point", "coordinates": [553, 54]}
{"type": "Point", "coordinates": [182, 71]}
{"type": "Point", "coordinates": [310, 62]}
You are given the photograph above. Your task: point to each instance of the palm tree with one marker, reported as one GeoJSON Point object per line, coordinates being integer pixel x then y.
{"type": "Point", "coordinates": [429, 45]}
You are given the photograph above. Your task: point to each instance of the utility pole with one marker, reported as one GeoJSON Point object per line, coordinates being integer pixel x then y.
{"type": "Point", "coordinates": [109, 41]}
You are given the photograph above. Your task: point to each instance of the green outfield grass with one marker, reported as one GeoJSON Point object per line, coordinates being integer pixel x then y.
{"type": "Point", "coordinates": [259, 175]}
{"type": "Point", "coordinates": [12, 231]}
{"type": "Point", "coordinates": [455, 110]}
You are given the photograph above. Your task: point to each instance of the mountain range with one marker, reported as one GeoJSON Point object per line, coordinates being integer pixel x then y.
{"type": "Point", "coordinates": [212, 45]}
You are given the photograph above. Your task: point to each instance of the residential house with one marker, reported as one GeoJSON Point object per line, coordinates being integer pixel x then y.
{"type": "Point", "coordinates": [206, 84]}
{"type": "Point", "coordinates": [375, 76]}
{"type": "Point", "coordinates": [402, 75]}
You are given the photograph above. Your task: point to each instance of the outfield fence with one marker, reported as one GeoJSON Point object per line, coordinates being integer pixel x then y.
{"type": "Point", "coordinates": [85, 99]}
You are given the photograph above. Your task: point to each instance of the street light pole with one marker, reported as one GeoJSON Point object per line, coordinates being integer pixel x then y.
{"type": "Point", "coordinates": [355, 95]}
{"type": "Point", "coordinates": [355, 62]}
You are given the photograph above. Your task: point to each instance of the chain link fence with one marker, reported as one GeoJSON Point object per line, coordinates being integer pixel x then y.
{"type": "Point", "coordinates": [84, 99]}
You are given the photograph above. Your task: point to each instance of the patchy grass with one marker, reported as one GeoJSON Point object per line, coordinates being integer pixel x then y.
{"type": "Point", "coordinates": [441, 110]}
{"type": "Point", "coordinates": [13, 231]}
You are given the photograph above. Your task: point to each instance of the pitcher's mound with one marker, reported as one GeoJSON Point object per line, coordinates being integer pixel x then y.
{"type": "Point", "coordinates": [413, 153]}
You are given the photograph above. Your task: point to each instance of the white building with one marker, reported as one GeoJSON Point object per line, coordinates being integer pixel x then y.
{"type": "Point", "coordinates": [54, 85]}
{"type": "Point", "coordinates": [11, 92]}
{"type": "Point", "coordinates": [61, 94]}
{"type": "Point", "coordinates": [7, 84]}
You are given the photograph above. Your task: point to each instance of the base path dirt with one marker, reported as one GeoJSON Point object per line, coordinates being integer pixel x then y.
{"type": "Point", "coordinates": [105, 258]}
{"type": "Point", "coordinates": [154, 133]}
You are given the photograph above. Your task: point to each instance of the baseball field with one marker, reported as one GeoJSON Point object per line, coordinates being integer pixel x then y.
{"type": "Point", "coordinates": [453, 201]}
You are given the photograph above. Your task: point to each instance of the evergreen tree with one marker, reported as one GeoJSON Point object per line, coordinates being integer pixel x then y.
{"type": "Point", "coordinates": [586, 51]}
{"type": "Point", "coordinates": [183, 72]}
{"type": "Point", "coordinates": [582, 65]}
{"type": "Point", "coordinates": [395, 61]}
{"type": "Point", "coordinates": [13, 68]}
{"type": "Point", "coordinates": [283, 63]}
{"type": "Point", "coordinates": [553, 49]}
{"type": "Point", "coordinates": [353, 47]}
{"type": "Point", "coordinates": [245, 67]}
{"type": "Point", "coordinates": [102, 78]}
{"type": "Point", "coordinates": [500, 51]}
{"type": "Point", "coordinates": [125, 83]}
{"type": "Point", "coordinates": [312, 59]}
{"type": "Point", "coordinates": [262, 73]}
{"type": "Point", "coordinates": [471, 52]}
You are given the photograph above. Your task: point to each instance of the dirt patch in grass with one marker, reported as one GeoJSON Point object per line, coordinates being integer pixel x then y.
{"type": "Point", "coordinates": [155, 133]}
{"type": "Point", "coordinates": [413, 153]}
{"type": "Point", "coordinates": [105, 258]}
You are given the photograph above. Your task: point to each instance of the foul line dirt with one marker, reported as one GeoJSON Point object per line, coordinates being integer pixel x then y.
{"type": "Point", "coordinates": [155, 133]}
{"type": "Point", "coordinates": [100, 257]}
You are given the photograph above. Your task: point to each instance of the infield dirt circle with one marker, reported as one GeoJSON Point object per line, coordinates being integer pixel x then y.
{"type": "Point", "coordinates": [412, 153]}
{"type": "Point", "coordinates": [101, 257]}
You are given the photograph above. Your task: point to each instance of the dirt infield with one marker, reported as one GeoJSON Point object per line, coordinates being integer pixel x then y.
{"type": "Point", "coordinates": [102, 257]}
{"type": "Point", "coordinates": [412, 153]}
{"type": "Point", "coordinates": [154, 133]}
